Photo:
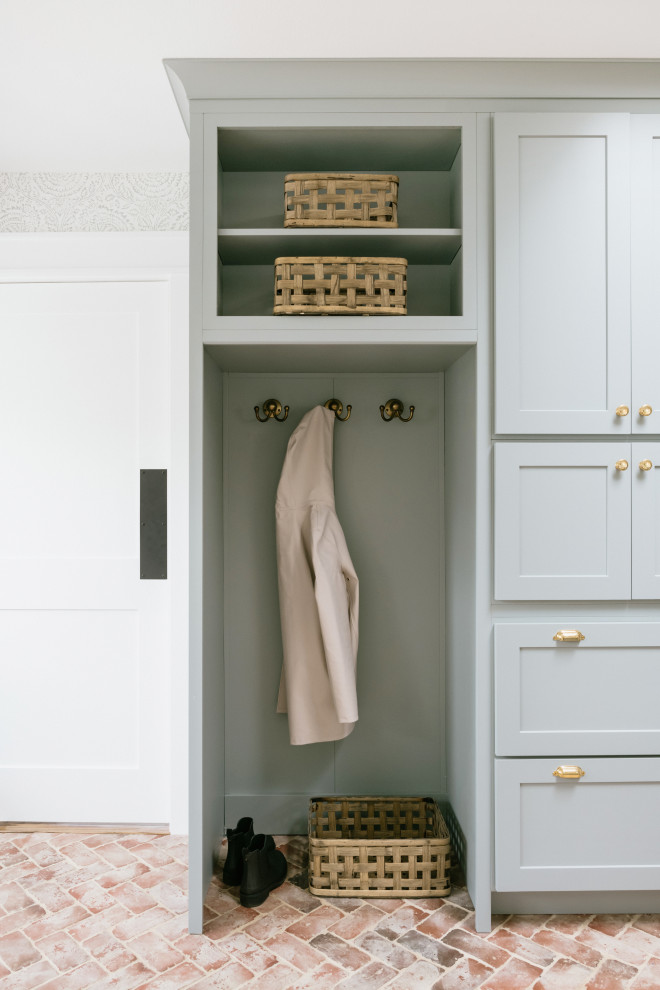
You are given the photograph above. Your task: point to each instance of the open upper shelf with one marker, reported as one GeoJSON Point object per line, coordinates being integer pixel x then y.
{"type": "Point", "coordinates": [247, 165]}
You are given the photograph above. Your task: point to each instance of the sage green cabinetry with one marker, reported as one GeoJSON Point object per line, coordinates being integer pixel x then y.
{"type": "Point", "coordinates": [577, 505]}
{"type": "Point", "coordinates": [565, 238]}
{"type": "Point", "coordinates": [400, 487]}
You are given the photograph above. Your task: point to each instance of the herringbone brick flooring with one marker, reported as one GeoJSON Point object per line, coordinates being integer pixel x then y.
{"type": "Point", "coordinates": [109, 912]}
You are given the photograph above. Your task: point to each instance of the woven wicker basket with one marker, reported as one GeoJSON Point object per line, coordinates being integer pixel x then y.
{"type": "Point", "coordinates": [340, 286]}
{"type": "Point", "coordinates": [340, 199]}
{"type": "Point", "coordinates": [378, 847]}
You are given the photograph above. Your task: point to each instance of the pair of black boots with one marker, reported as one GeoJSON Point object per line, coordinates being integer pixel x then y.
{"type": "Point", "coordinates": [253, 862]}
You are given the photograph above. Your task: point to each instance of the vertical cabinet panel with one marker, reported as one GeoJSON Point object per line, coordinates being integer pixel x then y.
{"type": "Point", "coordinates": [562, 273]}
{"type": "Point", "coordinates": [645, 268]}
{"type": "Point", "coordinates": [646, 520]}
{"type": "Point", "coordinates": [562, 521]}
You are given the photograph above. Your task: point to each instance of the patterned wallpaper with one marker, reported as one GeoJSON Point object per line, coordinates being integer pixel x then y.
{"type": "Point", "coordinates": [93, 201]}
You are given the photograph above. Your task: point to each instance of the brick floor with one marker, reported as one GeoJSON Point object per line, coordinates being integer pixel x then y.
{"type": "Point", "coordinates": [108, 912]}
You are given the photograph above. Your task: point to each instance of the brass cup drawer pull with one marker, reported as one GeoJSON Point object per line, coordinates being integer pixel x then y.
{"type": "Point", "coordinates": [568, 636]}
{"type": "Point", "coordinates": [621, 465]}
{"type": "Point", "coordinates": [568, 773]}
{"type": "Point", "coordinates": [645, 410]}
{"type": "Point", "coordinates": [645, 465]}
{"type": "Point", "coordinates": [622, 410]}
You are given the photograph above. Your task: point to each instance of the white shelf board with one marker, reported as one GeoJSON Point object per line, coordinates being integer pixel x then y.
{"type": "Point", "coordinates": [342, 344]}
{"type": "Point", "coordinates": [260, 246]}
{"type": "Point", "coordinates": [325, 329]}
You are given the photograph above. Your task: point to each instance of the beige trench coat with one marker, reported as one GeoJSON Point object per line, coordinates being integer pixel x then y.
{"type": "Point", "coordinates": [318, 591]}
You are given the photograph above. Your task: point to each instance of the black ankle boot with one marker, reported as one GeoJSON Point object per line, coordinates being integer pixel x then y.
{"type": "Point", "coordinates": [264, 868]}
{"type": "Point", "coordinates": [238, 839]}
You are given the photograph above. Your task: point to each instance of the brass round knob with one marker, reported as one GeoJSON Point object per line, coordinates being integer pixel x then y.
{"type": "Point", "coordinates": [645, 410]}
{"type": "Point", "coordinates": [622, 410]}
{"type": "Point", "coordinates": [621, 465]}
{"type": "Point", "coordinates": [645, 465]}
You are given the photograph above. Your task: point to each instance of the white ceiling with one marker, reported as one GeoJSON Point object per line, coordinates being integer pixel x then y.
{"type": "Point", "coordinates": [82, 86]}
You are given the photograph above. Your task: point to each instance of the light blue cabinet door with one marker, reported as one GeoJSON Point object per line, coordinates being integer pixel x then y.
{"type": "Point", "coordinates": [645, 302]}
{"type": "Point", "coordinates": [562, 273]}
{"type": "Point", "coordinates": [562, 521]}
{"type": "Point", "coordinates": [646, 520]}
{"type": "Point", "coordinates": [597, 832]}
{"type": "Point", "coordinates": [562, 695]}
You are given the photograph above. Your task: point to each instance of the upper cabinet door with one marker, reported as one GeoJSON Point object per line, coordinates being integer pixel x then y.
{"type": "Point", "coordinates": [562, 273]}
{"type": "Point", "coordinates": [645, 412]}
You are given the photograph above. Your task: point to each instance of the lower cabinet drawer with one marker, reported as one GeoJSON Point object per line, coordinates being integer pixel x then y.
{"type": "Point", "coordinates": [597, 695]}
{"type": "Point", "coordinates": [598, 831]}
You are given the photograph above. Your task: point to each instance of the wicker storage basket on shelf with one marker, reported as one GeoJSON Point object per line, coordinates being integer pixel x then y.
{"type": "Point", "coordinates": [340, 199]}
{"type": "Point", "coordinates": [378, 847]}
{"type": "Point", "coordinates": [340, 286]}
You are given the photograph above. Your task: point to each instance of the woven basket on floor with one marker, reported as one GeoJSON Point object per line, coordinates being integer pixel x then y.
{"type": "Point", "coordinates": [378, 847]}
{"type": "Point", "coordinates": [340, 286]}
{"type": "Point", "coordinates": [340, 199]}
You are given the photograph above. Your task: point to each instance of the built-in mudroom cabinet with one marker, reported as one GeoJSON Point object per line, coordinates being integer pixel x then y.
{"type": "Point", "coordinates": [576, 511]}
{"type": "Point", "coordinates": [507, 536]}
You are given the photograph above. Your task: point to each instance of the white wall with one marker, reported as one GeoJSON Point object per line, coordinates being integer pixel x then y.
{"type": "Point", "coordinates": [82, 87]}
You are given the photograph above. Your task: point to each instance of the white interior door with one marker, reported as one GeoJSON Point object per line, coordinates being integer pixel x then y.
{"type": "Point", "coordinates": [84, 643]}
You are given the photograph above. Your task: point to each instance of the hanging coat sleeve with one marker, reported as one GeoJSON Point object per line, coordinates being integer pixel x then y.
{"type": "Point", "coordinates": [336, 592]}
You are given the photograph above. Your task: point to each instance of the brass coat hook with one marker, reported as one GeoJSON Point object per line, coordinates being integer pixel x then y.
{"type": "Point", "coordinates": [272, 408]}
{"type": "Point", "coordinates": [337, 408]}
{"type": "Point", "coordinates": [393, 409]}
